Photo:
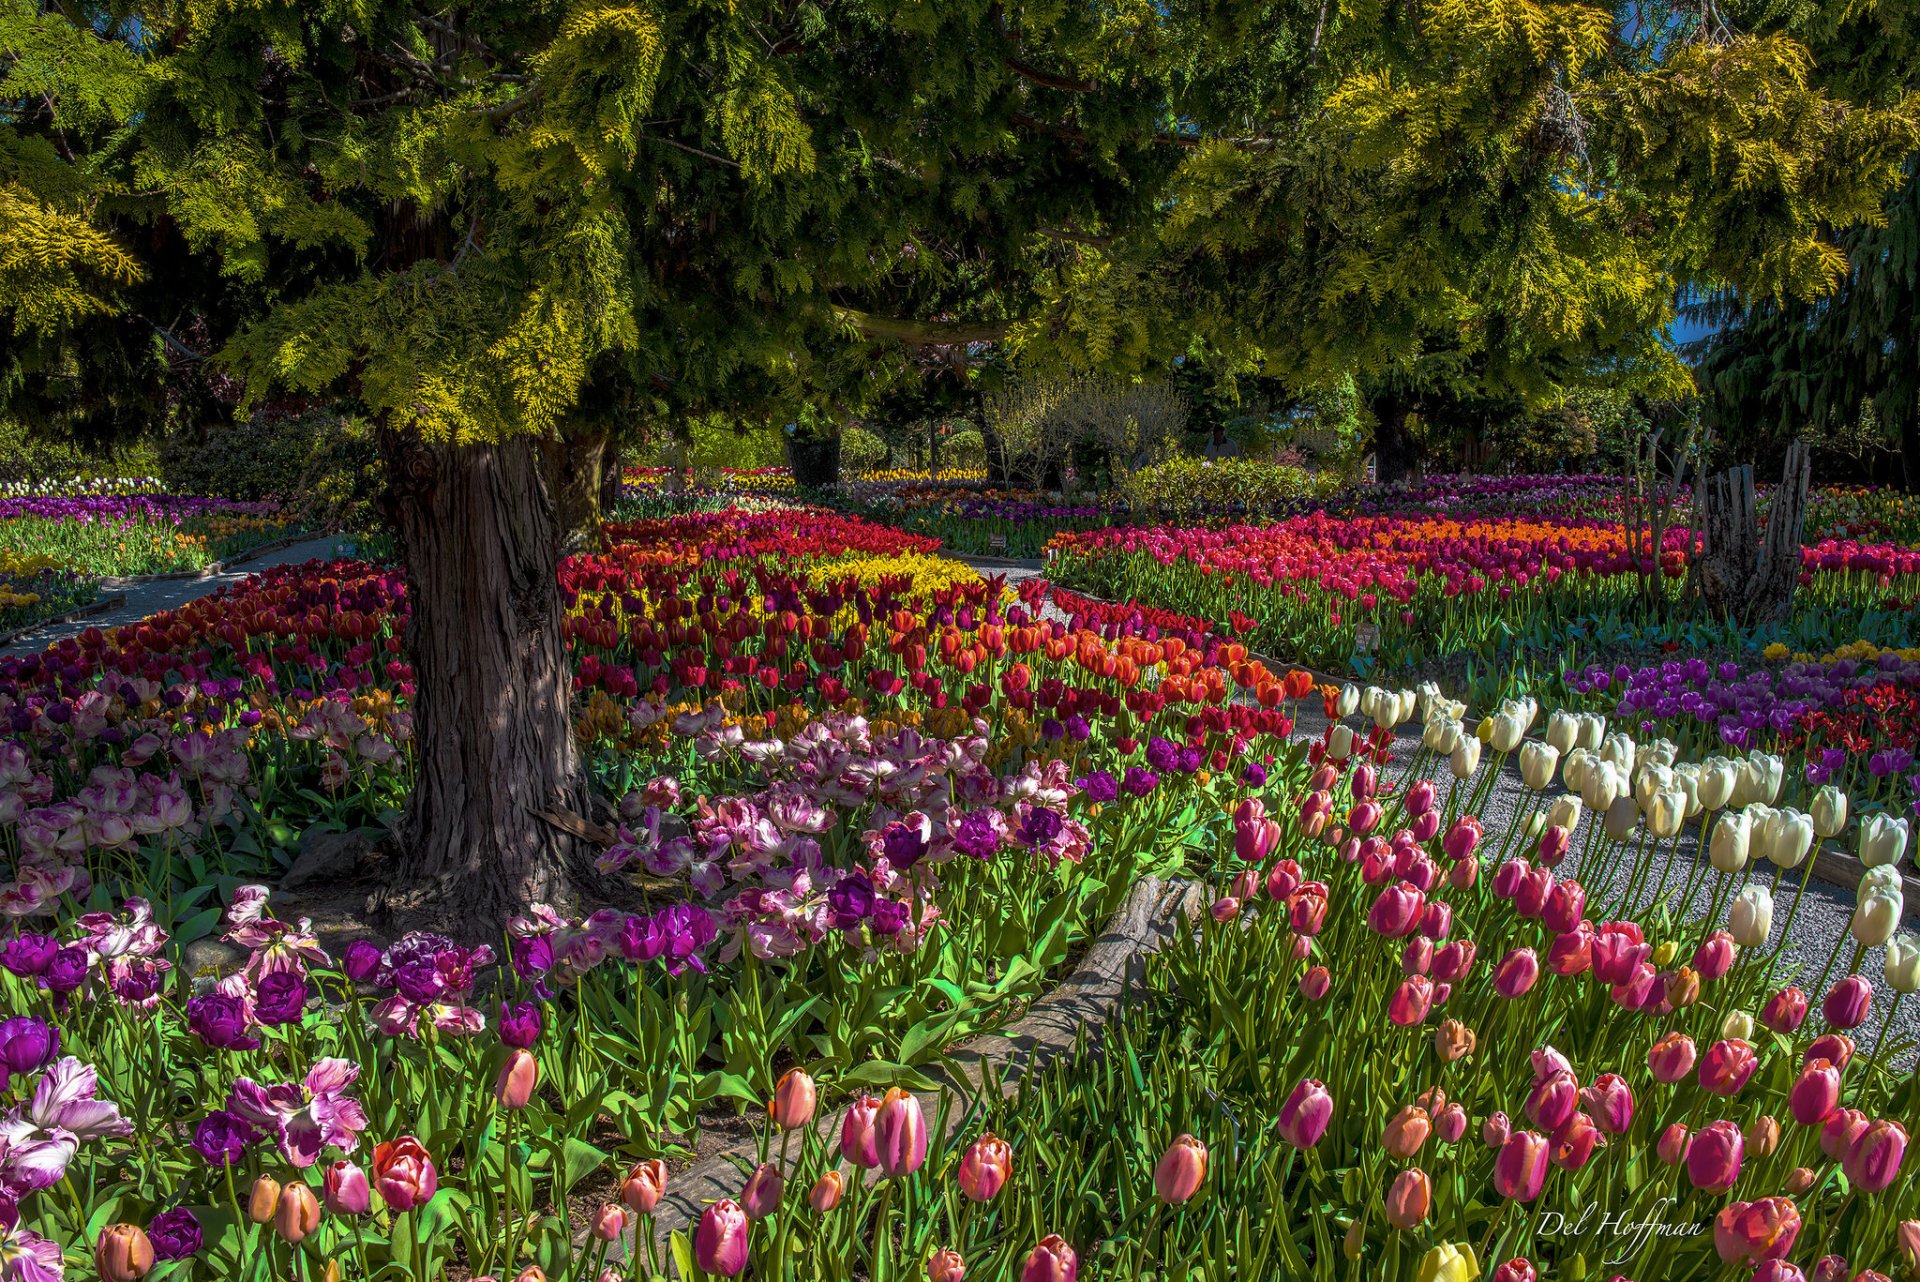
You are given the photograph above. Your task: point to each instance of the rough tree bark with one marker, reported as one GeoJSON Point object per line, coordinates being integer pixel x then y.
{"type": "Point", "coordinates": [1744, 572]}
{"type": "Point", "coordinates": [1394, 458]}
{"type": "Point", "coordinates": [494, 822]}
{"type": "Point", "coordinates": [815, 460]}
{"type": "Point", "coordinates": [576, 467]}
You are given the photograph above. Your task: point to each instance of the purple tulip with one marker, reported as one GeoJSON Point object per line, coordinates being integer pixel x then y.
{"type": "Point", "coordinates": [280, 998]}
{"type": "Point", "coordinates": [175, 1234]}
{"type": "Point", "coordinates": [519, 1025]}
{"type": "Point", "coordinates": [28, 955]}
{"type": "Point", "coordinates": [220, 1022]}
{"type": "Point", "coordinates": [362, 961]}
{"type": "Point", "coordinates": [222, 1138]}
{"type": "Point", "coordinates": [27, 1045]}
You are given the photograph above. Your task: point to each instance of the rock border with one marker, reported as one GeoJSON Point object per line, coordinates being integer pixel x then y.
{"type": "Point", "coordinates": [1113, 969]}
{"type": "Point", "coordinates": [100, 606]}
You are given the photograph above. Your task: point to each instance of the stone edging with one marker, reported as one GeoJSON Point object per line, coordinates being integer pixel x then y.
{"type": "Point", "coordinates": [1113, 968]}
{"type": "Point", "coordinates": [213, 567]}
{"type": "Point", "coordinates": [100, 606]}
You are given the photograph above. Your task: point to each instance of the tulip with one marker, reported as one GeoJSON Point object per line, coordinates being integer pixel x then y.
{"type": "Point", "coordinates": [1225, 909]}
{"type": "Point", "coordinates": [1727, 849]}
{"type": "Point", "coordinates": [404, 1174]}
{"type": "Point", "coordinates": [1517, 1269]}
{"type": "Point", "coordinates": [1610, 1100]}
{"type": "Point", "coordinates": [1516, 973]}
{"type": "Point", "coordinates": [1305, 1115]}
{"type": "Point", "coordinates": [1837, 1047]}
{"type": "Point", "coordinates": [765, 1189]}
{"type": "Point", "coordinates": [1713, 1159]}
{"type": "Point", "coordinates": [1564, 813]}
{"type": "Point", "coordinates": [1495, 1130]}
{"type": "Point", "coordinates": [1452, 1041]}
{"type": "Point", "coordinates": [1801, 1179]}
{"type": "Point", "coordinates": [1051, 1261]}
{"type": "Point", "coordinates": [1406, 1131]}
{"type": "Point", "coordinates": [986, 1167]}
{"type": "Point", "coordinates": [610, 1221]}
{"type": "Point", "coordinates": [794, 1096]}
{"type": "Point", "coordinates": [1673, 1145]}
{"type": "Point", "coordinates": [1440, 734]}
{"type": "Point", "coordinates": [1520, 1168]}
{"type": "Point", "coordinates": [1815, 1093]}
{"type": "Point", "coordinates": [1450, 1263]}
{"type": "Point", "coordinates": [262, 1199]}
{"type": "Point", "coordinates": [122, 1253]}
{"type": "Point", "coordinates": [1876, 915]}
{"type": "Point", "coordinates": [1462, 838]}
{"type": "Point", "coordinates": [826, 1191]}
{"type": "Point", "coordinates": [1727, 1066]}
{"type": "Point", "coordinates": [1566, 906]}
{"type": "Point", "coordinates": [1762, 1136]}
{"type": "Point", "coordinates": [900, 1133]}
{"type": "Point", "coordinates": [1553, 1100]}
{"type": "Point", "coordinates": [857, 1143]}
{"type": "Point", "coordinates": [1339, 742]}
{"type": "Point", "coordinates": [1785, 1011]}
{"type": "Point", "coordinates": [1563, 731]}
{"type": "Point", "coordinates": [1538, 763]}
{"type": "Point", "coordinates": [1838, 1132]}
{"type": "Point", "coordinates": [1410, 1001]}
{"type": "Point", "coordinates": [1828, 812]}
{"type": "Point", "coordinates": [1683, 987]}
{"type": "Point", "coordinates": [1751, 1232]}
{"type": "Point", "coordinates": [1464, 760]}
{"type": "Point", "coordinates": [1848, 1002]}
{"type": "Point", "coordinates": [1666, 812]}
{"type": "Point", "coordinates": [720, 1240]}
{"type": "Point", "coordinates": [1396, 910]}
{"type": "Point", "coordinates": [1883, 839]}
{"type": "Point", "coordinates": [1789, 838]}
{"type": "Point", "coordinates": [1715, 955]}
{"type": "Point", "coordinates": [514, 1087]}
{"type": "Point", "coordinates": [1671, 1058]}
{"type": "Point", "coordinates": [1409, 1199]}
{"type": "Point", "coordinates": [1872, 1160]}
{"type": "Point", "coordinates": [1622, 816]}
{"type": "Point", "coordinates": [1601, 786]}
{"type": "Point", "coordinates": [1907, 1234]}
{"type": "Point", "coordinates": [1833, 1268]}
{"type": "Point", "coordinates": [1758, 779]}
{"type": "Point", "coordinates": [298, 1213]}
{"type": "Point", "coordinates": [1902, 966]}
{"type": "Point", "coordinates": [1181, 1171]}
{"type": "Point", "coordinates": [1717, 778]}
{"type": "Point", "coordinates": [1315, 983]}
{"type": "Point", "coordinates": [945, 1265]}
{"type": "Point", "coordinates": [644, 1186]}
{"type": "Point", "coordinates": [1751, 917]}
{"type": "Point", "coordinates": [1450, 1124]}
{"type": "Point", "coordinates": [1737, 1026]}
{"type": "Point", "coordinates": [345, 1189]}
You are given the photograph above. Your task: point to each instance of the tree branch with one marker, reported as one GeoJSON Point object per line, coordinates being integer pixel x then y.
{"type": "Point", "coordinates": [1048, 79]}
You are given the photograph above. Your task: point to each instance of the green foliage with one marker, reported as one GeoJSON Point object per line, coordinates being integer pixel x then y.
{"type": "Point", "coordinates": [323, 466]}
{"type": "Point", "coordinates": [32, 458]}
{"type": "Point", "coordinates": [1223, 485]}
{"type": "Point", "coordinates": [861, 450]}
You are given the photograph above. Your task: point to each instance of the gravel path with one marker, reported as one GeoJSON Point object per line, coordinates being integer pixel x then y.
{"type": "Point", "coordinates": [144, 599]}
{"type": "Point", "coordinates": [1820, 920]}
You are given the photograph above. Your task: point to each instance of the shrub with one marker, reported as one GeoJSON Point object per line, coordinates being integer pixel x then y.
{"type": "Point", "coordinates": [1201, 485]}
{"type": "Point", "coordinates": [861, 450]}
{"type": "Point", "coordinates": [324, 467]}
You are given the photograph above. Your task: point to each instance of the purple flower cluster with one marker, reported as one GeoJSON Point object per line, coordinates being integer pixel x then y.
{"type": "Point", "coordinates": [124, 508]}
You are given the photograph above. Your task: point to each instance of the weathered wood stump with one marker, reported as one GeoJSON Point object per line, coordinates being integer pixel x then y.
{"type": "Point", "coordinates": [1746, 571]}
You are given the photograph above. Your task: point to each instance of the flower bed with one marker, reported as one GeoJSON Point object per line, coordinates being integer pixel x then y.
{"type": "Point", "coordinates": [135, 534]}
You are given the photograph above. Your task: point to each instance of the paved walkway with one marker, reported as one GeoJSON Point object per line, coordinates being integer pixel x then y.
{"type": "Point", "coordinates": [166, 594]}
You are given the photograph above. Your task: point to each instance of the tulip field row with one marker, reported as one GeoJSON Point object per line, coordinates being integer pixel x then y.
{"type": "Point", "coordinates": [872, 803]}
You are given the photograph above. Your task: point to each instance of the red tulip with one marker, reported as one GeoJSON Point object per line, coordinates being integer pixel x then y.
{"type": "Point", "coordinates": [1785, 1010]}
{"type": "Point", "coordinates": [1848, 1002]}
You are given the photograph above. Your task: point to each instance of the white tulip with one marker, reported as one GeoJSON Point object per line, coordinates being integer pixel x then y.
{"type": "Point", "coordinates": [1737, 1026]}
{"type": "Point", "coordinates": [1757, 816]}
{"type": "Point", "coordinates": [1408, 701]}
{"type": "Point", "coordinates": [1563, 731]}
{"type": "Point", "coordinates": [1538, 761]}
{"type": "Point", "coordinates": [1728, 846]}
{"type": "Point", "coordinates": [1564, 812]}
{"type": "Point", "coordinates": [1885, 878]}
{"type": "Point", "coordinates": [1686, 777]}
{"type": "Point", "coordinates": [1759, 779]}
{"type": "Point", "coordinates": [1876, 916]}
{"type": "Point", "coordinates": [1717, 777]}
{"type": "Point", "coordinates": [1428, 697]}
{"type": "Point", "coordinates": [1602, 784]}
{"type": "Point", "coordinates": [1386, 710]}
{"type": "Point", "coordinates": [1441, 733]}
{"type": "Point", "coordinates": [1789, 837]}
{"type": "Point", "coordinates": [1883, 839]}
{"type": "Point", "coordinates": [1574, 771]}
{"type": "Point", "coordinates": [1593, 730]}
{"type": "Point", "coordinates": [1661, 752]}
{"type": "Point", "coordinates": [1349, 700]}
{"type": "Point", "coordinates": [1340, 743]}
{"type": "Point", "coordinates": [1649, 778]}
{"type": "Point", "coordinates": [1829, 812]}
{"type": "Point", "coordinates": [1667, 813]}
{"type": "Point", "coordinates": [1618, 748]}
{"type": "Point", "coordinates": [1509, 728]}
{"type": "Point", "coordinates": [1903, 963]}
{"type": "Point", "coordinates": [1465, 757]}
{"type": "Point", "coordinates": [1751, 917]}
{"type": "Point", "coordinates": [1621, 817]}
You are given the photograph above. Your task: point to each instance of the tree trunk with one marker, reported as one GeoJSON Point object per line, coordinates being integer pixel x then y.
{"type": "Point", "coordinates": [575, 467]}
{"type": "Point", "coordinates": [498, 784]}
{"type": "Point", "coordinates": [1910, 442]}
{"type": "Point", "coordinates": [612, 477]}
{"type": "Point", "coordinates": [1742, 573]}
{"type": "Point", "coordinates": [1394, 458]}
{"type": "Point", "coordinates": [815, 460]}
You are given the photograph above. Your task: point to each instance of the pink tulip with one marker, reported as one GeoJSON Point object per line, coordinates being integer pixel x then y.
{"type": "Point", "coordinates": [1282, 880]}
{"type": "Point", "coordinates": [826, 1192]}
{"type": "Point", "coordinates": [1713, 1160]}
{"type": "Point", "coordinates": [345, 1190]}
{"type": "Point", "coordinates": [519, 1076]}
{"type": "Point", "coordinates": [1574, 1142]}
{"type": "Point", "coordinates": [857, 1143]}
{"type": "Point", "coordinates": [1571, 952]}
{"type": "Point", "coordinates": [1555, 842]}
{"type": "Point", "coordinates": [1785, 1010]}
{"type": "Point", "coordinates": [794, 1097]}
{"type": "Point", "coordinates": [1750, 1232]}
{"type": "Point", "coordinates": [1671, 1058]}
{"type": "Point", "coordinates": [1548, 1061]}
{"type": "Point", "coordinates": [1417, 957]}
{"type": "Point", "coordinates": [1410, 1001]}
{"type": "Point", "coordinates": [1872, 1160]}
{"type": "Point", "coordinates": [1420, 797]}
{"type": "Point", "coordinates": [1462, 838]}
{"type": "Point", "coordinates": [1673, 1145]}
{"type": "Point", "coordinates": [1425, 826]}
{"type": "Point", "coordinates": [985, 1168]}
{"type": "Point", "coordinates": [1464, 875]}
{"type": "Point", "coordinates": [1839, 1131]}
{"type": "Point", "coordinates": [1530, 898]}
{"type": "Point", "coordinates": [404, 1173]}
{"type": "Point", "coordinates": [720, 1240]}
{"type": "Point", "coordinates": [1364, 818]}
{"type": "Point", "coordinates": [1516, 973]}
{"type": "Point", "coordinates": [1778, 1271]}
{"type": "Point", "coordinates": [1305, 1115]}
{"type": "Point", "coordinates": [1437, 920]}
{"type": "Point", "coordinates": [1495, 1130]}
{"type": "Point", "coordinates": [1520, 1168]}
{"type": "Point", "coordinates": [1553, 1100]}
{"type": "Point", "coordinates": [900, 1133]}
{"type": "Point", "coordinates": [1409, 1200]}
{"type": "Point", "coordinates": [1507, 878]}
{"type": "Point", "coordinates": [1610, 1100]}
{"type": "Point", "coordinates": [946, 1266]}
{"type": "Point", "coordinates": [1365, 782]}
{"type": "Point", "coordinates": [1848, 1002]}
{"type": "Point", "coordinates": [1452, 962]}
{"type": "Point", "coordinates": [1181, 1171]}
{"type": "Point", "coordinates": [1618, 952]}
{"type": "Point", "coordinates": [1517, 1269]}
{"type": "Point", "coordinates": [1255, 839]}
{"type": "Point", "coordinates": [644, 1186]}
{"type": "Point", "coordinates": [1314, 984]}
{"type": "Point", "coordinates": [1396, 911]}
{"type": "Point", "coordinates": [1834, 1047]}
{"type": "Point", "coordinates": [764, 1191]}
{"type": "Point", "coordinates": [1566, 905]}
{"type": "Point", "coordinates": [1308, 911]}
{"type": "Point", "coordinates": [610, 1221]}
{"type": "Point", "coordinates": [1225, 909]}
{"type": "Point", "coordinates": [1451, 1124]}
{"type": "Point", "coordinates": [1715, 955]}
{"type": "Point", "coordinates": [1051, 1261]}
{"type": "Point", "coordinates": [1815, 1093]}
{"type": "Point", "coordinates": [1727, 1066]}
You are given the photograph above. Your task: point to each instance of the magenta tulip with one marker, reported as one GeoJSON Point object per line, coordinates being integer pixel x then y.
{"type": "Point", "coordinates": [900, 1133]}
{"type": "Point", "coordinates": [1520, 1168]}
{"type": "Point", "coordinates": [1872, 1160]}
{"type": "Point", "coordinates": [1305, 1115]}
{"type": "Point", "coordinates": [1848, 1002]}
{"type": "Point", "coordinates": [720, 1241]}
{"type": "Point", "coordinates": [1713, 1160]}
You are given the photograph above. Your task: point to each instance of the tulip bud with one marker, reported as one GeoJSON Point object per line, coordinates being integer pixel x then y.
{"type": "Point", "coordinates": [1848, 1002]}
{"type": "Point", "coordinates": [1622, 816]}
{"type": "Point", "coordinates": [1762, 1136]}
{"type": "Point", "coordinates": [1495, 1130]}
{"type": "Point", "coordinates": [826, 1191]}
{"type": "Point", "coordinates": [1181, 1171]}
{"type": "Point", "coordinates": [121, 1254]}
{"type": "Point", "coordinates": [1737, 1026]}
{"type": "Point", "coordinates": [1727, 848]}
{"type": "Point", "coordinates": [1683, 988]}
{"type": "Point", "coordinates": [1727, 1066]}
{"type": "Point", "coordinates": [720, 1240]}
{"type": "Point", "coordinates": [793, 1100]}
{"type": "Point", "coordinates": [1305, 1114]}
{"type": "Point", "coordinates": [1538, 762]}
{"type": "Point", "coordinates": [1815, 1094]}
{"type": "Point", "coordinates": [1406, 1132]}
{"type": "Point", "coordinates": [610, 1222]}
{"type": "Point", "coordinates": [764, 1191]}
{"type": "Point", "coordinates": [298, 1213]}
{"type": "Point", "coordinates": [1464, 760]}
{"type": "Point", "coordinates": [1409, 1199]}
{"type": "Point", "coordinates": [1829, 812]}
{"type": "Point", "coordinates": [1453, 1262]}
{"type": "Point", "coordinates": [1053, 1260]}
{"type": "Point", "coordinates": [644, 1186]}
{"type": "Point", "coordinates": [945, 1265]}
{"type": "Point", "coordinates": [1872, 1160]}
{"type": "Point", "coordinates": [514, 1087]}
{"type": "Point", "coordinates": [1315, 982]}
{"type": "Point", "coordinates": [1517, 1269]}
{"type": "Point", "coordinates": [1751, 917]}
{"type": "Point", "coordinates": [1452, 1041]}
{"type": "Point", "coordinates": [1883, 839]}
{"type": "Point", "coordinates": [1450, 1124]}
{"type": "Point", "coordinates": [1673, 1144]}
{"type": "Point", "coordinates": [1902, 966]}
{"type": "Point", "coordinates": [1800, 1180]}
{"type": "Point", "coordinates": [1353, 1243]}
{"type": "Point", "coordinates": [856, 1133]}
{"type": "Point", "coordinates": [1907, 1234]}
{"type": "Point", "coordinates": [263, 1200]}
{"type": "Point", "coordinates": [1520, 1168]}
{"type": "Point", "coordinates": [1516, 973]}
{"type": "Point", "coordinates": [1876, 915]}
{"type": "Point", "coordinates": [986, 1167]}
{"type": "Point", "coordinates": [1789, 838]}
